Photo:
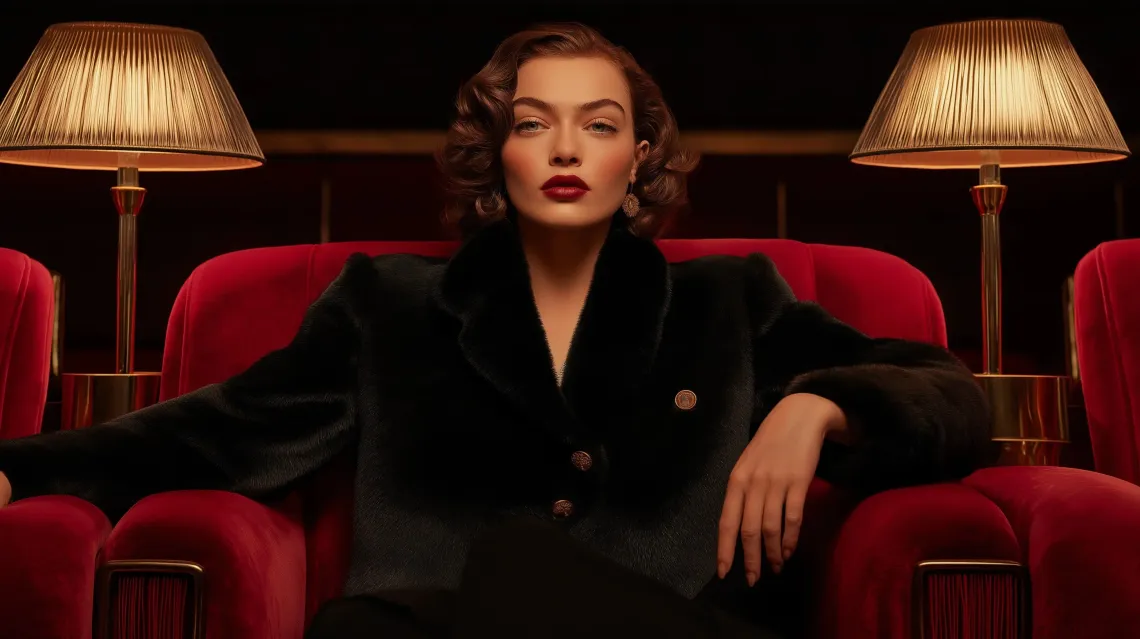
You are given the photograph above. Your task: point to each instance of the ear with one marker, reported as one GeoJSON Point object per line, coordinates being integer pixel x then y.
{"type": "Point", "coordinates": [639, 154]}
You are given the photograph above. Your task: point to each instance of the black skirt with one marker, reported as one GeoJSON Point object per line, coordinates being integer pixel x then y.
{"type": "Point", "coordinates": [528, 579]}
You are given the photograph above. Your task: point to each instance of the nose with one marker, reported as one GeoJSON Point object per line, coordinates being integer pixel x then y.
{"type": "Point", "coordinates": [565, 151]}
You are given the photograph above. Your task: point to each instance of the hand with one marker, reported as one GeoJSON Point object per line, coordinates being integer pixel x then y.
{"type": "Point", "coordinates": [5, 491]}
{"type": "Point", "coordinates": [769, 484]}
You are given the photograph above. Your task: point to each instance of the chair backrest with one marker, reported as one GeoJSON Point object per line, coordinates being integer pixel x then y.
{"type": "Point", "coordinates": [1106, 300]}
{"type": "Point", "coordinates": [27, 301]}
{"type": "Point", "coordinates": [236, 307]}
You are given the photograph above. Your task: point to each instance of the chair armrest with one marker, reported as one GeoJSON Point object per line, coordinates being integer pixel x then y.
{"type": "Point", "coordinates": [48, 548]}
{"type": "Point", "coordinates": [169, 546]}
{"type": "Point", "coordinates": [869, 570]}
{"type": "Point", "coordinates": [1081, 535]}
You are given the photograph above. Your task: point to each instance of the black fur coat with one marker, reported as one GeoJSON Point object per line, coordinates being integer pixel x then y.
{"type": "Point", "coordinates": [439, 374]}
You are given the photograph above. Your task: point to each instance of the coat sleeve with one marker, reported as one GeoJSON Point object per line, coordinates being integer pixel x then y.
{"type": "Point", "coordinates": [915, 413]}
{"type": "Point", "coordinates": [283, 417]}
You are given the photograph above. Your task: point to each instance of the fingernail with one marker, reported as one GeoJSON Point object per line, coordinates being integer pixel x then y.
{"type": "Point", "coordinates": [751, 579]}
{"type": "Point", "coordinates": [787, 553]}
{"type": "Point", "coordinates": [776, 568]}
{"type": "Point", "coordinates": [721, 569]}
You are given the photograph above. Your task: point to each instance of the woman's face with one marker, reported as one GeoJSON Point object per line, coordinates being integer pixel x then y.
{"type": "Point", "coordinates": [571, 155]}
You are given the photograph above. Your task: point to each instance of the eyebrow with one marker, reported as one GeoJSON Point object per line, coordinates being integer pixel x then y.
{"type": "Point", "coordinates": [586, 106]}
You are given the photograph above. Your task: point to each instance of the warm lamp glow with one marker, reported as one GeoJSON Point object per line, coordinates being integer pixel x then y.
{"type": "Point", "coordinates": [93, 95]}
{"type": "Point", "coordinates": [1005, 92]}
{"type": "Point", "coordinates": [988, 95]}
{"type": "Point", "coordinates": [127, 98]}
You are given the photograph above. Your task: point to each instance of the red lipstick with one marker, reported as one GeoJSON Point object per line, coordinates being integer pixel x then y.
{"type": "Point", "coordinates": [565, 188]}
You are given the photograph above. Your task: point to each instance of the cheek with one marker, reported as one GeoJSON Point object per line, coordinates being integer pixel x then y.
{"type": "Point", "coordinates": [613, 170]}
{"type": "Point", "coordinates": [519, 165]}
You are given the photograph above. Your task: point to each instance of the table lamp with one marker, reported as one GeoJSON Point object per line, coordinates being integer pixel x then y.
{"type": "Point", "coordinates": [983, 95]}
{"type": "Point", "coordinates": [128, 98]}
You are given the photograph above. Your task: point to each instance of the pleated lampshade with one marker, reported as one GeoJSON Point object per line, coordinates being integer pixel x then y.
{"type": "Point", "coordinates": [1006, 92]}
{"type": "Point", "coordinates": [94, 91]}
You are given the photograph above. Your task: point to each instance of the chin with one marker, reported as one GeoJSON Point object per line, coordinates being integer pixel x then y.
{"type": "Point", "coordinates": [576, 223]}
{"type": "Point", "coordinates": [569, 216]}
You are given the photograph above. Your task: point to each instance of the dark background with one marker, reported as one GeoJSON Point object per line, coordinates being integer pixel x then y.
{"type": "Point", "coordinates": [807, 67]}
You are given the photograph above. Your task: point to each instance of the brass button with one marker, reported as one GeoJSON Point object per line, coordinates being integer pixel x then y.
{"type": "Point", "coordinates": [685, 400]}
{"type": "Point", "coordinates": [563, 508]}
{"type": "Point", "coordinates": [582, 460]}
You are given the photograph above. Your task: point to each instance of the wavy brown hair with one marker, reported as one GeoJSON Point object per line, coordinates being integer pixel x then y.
{"type": "Point", "coordinates": [470, 159]}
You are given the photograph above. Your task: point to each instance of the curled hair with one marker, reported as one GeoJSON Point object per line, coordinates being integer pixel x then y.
{"type": "Point", "coordinates": [470, 160]}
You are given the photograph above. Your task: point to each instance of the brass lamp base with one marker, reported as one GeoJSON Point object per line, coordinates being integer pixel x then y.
{"type": "Point", "coordinates": [1030, 417]}
{"type": "Point", "coordinates": [91, 399]}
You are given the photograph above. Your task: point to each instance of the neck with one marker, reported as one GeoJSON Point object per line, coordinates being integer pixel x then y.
{"type": "Point", "coordinates": [561, 259]}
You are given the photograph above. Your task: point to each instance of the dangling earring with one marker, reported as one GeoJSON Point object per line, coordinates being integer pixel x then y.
{"type": "Point", "coordinates": [631, 205]}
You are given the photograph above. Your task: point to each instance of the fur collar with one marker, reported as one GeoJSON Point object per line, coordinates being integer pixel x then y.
{"type": "Point", "coordinates": [486, 286]}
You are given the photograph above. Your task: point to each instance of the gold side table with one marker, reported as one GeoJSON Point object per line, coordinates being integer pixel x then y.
{"type": "Point", "coordinates": [90, 399]}
{"type": "Point", "coordinates": [1030, 417]}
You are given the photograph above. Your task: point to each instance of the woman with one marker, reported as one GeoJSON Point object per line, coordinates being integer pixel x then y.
{"type": "Point", "coordinates": [658, 424]}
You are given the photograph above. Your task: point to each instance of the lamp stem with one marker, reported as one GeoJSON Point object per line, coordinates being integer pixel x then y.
{"type": "Point", "coordinates": [989, 196]}
{"type": "Point", "coordinates": [128, 197]}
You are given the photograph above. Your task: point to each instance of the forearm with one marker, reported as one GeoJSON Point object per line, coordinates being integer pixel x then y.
{"type": "Point", "coordinates": [111, 466]}
{"type": "Point", "coordinates": [912, 413]}
{"type": "Point", "coordinates": [238, 440]}
{"type": "Point", "coordinates": [905, 424]}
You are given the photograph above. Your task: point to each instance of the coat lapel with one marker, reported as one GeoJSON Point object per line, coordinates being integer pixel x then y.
{"type": "Point", "coordinates": [618, 335]}
{"type": "Point", "coordinates": [486, 286]}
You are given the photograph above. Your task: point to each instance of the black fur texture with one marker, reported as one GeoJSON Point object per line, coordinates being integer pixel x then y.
{"type": "Point", "coordinates": [439, 374]}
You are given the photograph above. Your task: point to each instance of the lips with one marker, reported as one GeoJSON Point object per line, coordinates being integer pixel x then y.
{"type": "Point", "coordinates": [565, 188]}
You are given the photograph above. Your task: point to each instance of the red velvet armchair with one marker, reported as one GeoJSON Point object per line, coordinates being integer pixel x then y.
{"type": "Point", "coordinates": [1107, 308]}
{"type": "Point", "coordinates": [949, 560]}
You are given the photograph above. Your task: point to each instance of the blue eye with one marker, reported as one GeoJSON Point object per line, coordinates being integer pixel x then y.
{"type": "Point", "coordinates": [602, 127]}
